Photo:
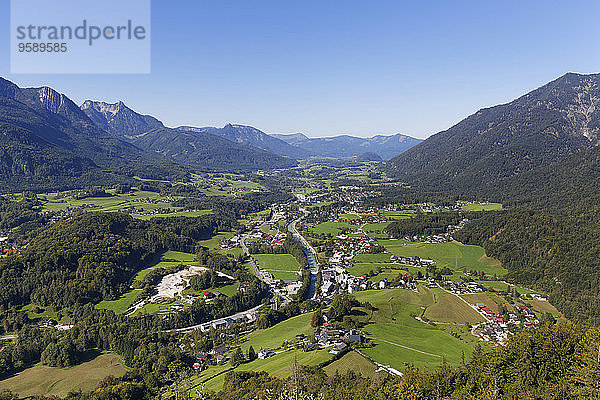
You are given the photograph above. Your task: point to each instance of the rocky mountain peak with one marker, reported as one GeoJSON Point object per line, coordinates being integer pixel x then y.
{"type": "Point", "coordinates": [119, 119]}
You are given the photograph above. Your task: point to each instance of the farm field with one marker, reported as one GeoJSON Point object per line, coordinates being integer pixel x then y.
{"type": "Point", "coordinates": [213, 243]}
{"type": "Point", "coordinates": [451, 309]}
{"type": "Point", "coordinates": [389, 274]}
{"type": "Point", "coordinates": [228, 289]}
{"type": "Point", "coordinates": [503, 286]}
{"type": "Point", "coordinates": [448, 254]}
{"type": "Point", "coordinates": [401, 346]}
{"type": "Point", "coordinates": [351, 361]}
{"type": "Point", "coordinates": [137, 202]}
{"type": "Point", "coordinates": [543, 306]}
{"type": "Point", "coordinates": [43, 380]}
{"type": "Point", "coordinates": [482, 207]}
{"type": "Point", "coordinates": [273, 337]}
{"type": "Point", "coordinates": [281, 266]}
{"type": "Point", "coordinates": [399, 337]}
{"type": "Point", "coordinates": [151, 308]}
{"type": "Point", "coordinates": [223, 184]}
{"type": "Point", "coordinates": [376, 230]}
{"type": "Point", "coordinates": [398, 214]}
{"type": "Point", "coordinates": [350, 217]}
{"type": "Point", "coordinates": [372, 258]}
{"type": "Point", "coordinates": [197, 380]}
{"type": "Point", "coordinates": [44, 313]}
{"type": "Point", "coordinates": [319, 204]}
{"type": "Point", "coordinates": [178, 256]}
{"type": "Point", "coordinates": [120, 305]}
{"type": "Point", "coordinates": [174, 214]}
{"type": "Point", "coordinates": [331, 228]}
{"type": "Point", "coordinates": [483, 298]}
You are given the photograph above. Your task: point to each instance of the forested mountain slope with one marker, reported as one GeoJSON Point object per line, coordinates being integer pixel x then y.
{"type": "Point", "coordinates": [535, 130]}
{"type": "Point", "coordinates": [252, 137]}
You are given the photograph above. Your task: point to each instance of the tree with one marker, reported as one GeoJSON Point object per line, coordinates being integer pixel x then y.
{"type": "Point", "coordinates": [316, 318]}
{"type": "Point", "coordinates": [252, 354]}
{"type": "Point", "coordinates": [237, 357]}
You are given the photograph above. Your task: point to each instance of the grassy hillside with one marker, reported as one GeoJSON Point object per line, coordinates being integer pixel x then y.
{"type": "Point", "coordinates": [400, 339]}
{"type": "Point", "coordinates": [43, 380]}
{"type": "Point", "coordinates": [450, 254]}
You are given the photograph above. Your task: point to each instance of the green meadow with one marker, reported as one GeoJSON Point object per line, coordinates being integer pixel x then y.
{"type": "Point", "coordinates": [331, 228]}
{"type": "Point", "coordinates": [482, 207]}
{"type": "Point", "coordinates": [281, 266]}
{"type": "Point", "coordinates": [351, 361]}
{"type": "Point", "coordinates": [273, 337]}
{"type": "Point", "coordinates": [138, 202]}
{"type": "Point", "coordinates": [399, 338]}
{"type": "Point", "coordinates": [50, 381]}
{"type": "Point", "coordinates": [449, 254]}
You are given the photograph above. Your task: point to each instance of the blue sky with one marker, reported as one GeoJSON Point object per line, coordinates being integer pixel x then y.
{"type": "Point", "coordinates": [332, 67]}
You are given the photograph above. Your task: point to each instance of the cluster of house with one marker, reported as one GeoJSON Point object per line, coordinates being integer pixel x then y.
{"type": "Point", "coordinates": [414, 261]}
{"type": "Point", "coordinates": [429, 239]}
{"type": "Point", "coordinates": [57, 216]}
{"type": "Point", "coordinates": [348, 247]}
{"type": "Point", "coordinates": [14, 249]}
{"type": "Point", "coordinates": [61, 326]}
{"type": "Point", "coordinates": [346, 194]}
{"type": "Point", "coordinates": [154, 200]}
{"type": "Point", "coordinates": [289, 288]}
{"type": "Point", "coordinates": [141, 211]}
{"type": "Point", "coordinates": [462, 287]}
{"type": "Point", "coordinates": [191, 297]}
{"type": "Point", "coordinates": [325, 337]}
{"type": "Point", "coordinates": [497, 328]}
{"type": "Point", "coordinates": [266, 239]}
{"type": "Point", "coordinates": [224, 323]}
{"type": "Point", "coordinates": [238, 191]}
{"type": "Point", "coordinates": [493, 332]}
{"type": "Point", "coordinates": [203, 359]}
{"type": "Point", "coordinates": [338, 281]}
{"type": "Point", "coordinates": [338, 339]}
{"type": "Point", "coordinates": [441, 237]}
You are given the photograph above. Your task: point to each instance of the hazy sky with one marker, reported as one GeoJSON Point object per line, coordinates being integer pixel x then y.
{"type": "Point", "coordinates": [331, 67]}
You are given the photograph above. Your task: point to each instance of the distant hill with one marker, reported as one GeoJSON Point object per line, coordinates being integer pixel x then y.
{"type": "Point", "coordinates": [205, 150]}
{"type": "Point", "coordinates": [249, 136]}
{"type": "Point", "coordinates": [291, 138]}
{"type": "Point", "coordinates": [535, 130]}
{"type": "Point", "coordinates": [369, 156]}
{"type": "Point", "coordinates": [345, 146]}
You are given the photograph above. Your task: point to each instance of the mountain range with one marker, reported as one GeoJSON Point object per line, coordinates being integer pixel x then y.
{"type": "Point", "coordinates": [345, 146]}
{"type": "Point", "coordinates": [50, 142]}
{"type": "Point", "coordinates": [197, 149]}
{"type": "Point", "coordinates": [249, 136]}
{"type": "Point", "coordinates": [495, 144]}
{"type": "Point", "coordinates": [46, 138]}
